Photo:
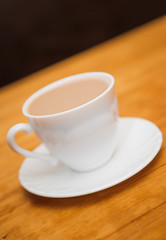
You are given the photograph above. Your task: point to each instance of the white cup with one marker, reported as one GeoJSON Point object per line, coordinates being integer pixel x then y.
{"type": "Point", "coordinates": [83, 138]}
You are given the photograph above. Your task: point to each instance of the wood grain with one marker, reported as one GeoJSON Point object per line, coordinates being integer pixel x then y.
{"type": "Point", "coordinates": [134, 209]}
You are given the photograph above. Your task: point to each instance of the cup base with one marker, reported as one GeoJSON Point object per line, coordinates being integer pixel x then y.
{"type": "Point", "coordinates": [138, 143]}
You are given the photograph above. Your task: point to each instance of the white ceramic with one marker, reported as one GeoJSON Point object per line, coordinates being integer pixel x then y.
{"type": "Point", "coordinates": [138, 143]}
{"type": "Point", "coordinates": [82, 138]}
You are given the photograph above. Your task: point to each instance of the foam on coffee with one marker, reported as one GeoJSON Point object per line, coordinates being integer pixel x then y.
{"type": "Point", "coordinates": [66, 96]}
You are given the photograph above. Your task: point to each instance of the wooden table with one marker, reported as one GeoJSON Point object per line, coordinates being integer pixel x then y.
{"type": "Point", "coordinates": [134, 209]}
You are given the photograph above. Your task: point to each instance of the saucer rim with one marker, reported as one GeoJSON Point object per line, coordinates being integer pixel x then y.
{"type": "Point", "coordinates": [106, 186]}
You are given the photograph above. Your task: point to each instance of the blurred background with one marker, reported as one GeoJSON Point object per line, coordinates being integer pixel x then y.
{"type": "Point", "coordinates": [36, 34]}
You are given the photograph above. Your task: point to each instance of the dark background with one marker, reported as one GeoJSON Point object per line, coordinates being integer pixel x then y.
{"type": "Point", "coordinates": [35, 34]}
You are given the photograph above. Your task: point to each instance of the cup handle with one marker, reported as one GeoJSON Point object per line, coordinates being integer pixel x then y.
{"type": "Point", "coordinates": [25, 127]}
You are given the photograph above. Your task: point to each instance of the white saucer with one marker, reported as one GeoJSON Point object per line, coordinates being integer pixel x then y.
{"type": "Point", "coordinates": [138, 142]}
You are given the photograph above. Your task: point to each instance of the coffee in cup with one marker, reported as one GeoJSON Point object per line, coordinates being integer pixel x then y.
{"type": "Point", "coordinates": [76, 118]}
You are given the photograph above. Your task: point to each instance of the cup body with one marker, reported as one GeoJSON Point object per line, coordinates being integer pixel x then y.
{"type": "Point", "coordinates": [82, 138]}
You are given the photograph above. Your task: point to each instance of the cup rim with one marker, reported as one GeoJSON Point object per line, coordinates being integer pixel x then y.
{"type": "Point", "coordinates": [108, 77]}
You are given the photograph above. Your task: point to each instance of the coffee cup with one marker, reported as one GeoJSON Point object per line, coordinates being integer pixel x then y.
{"type": "Point", "coordinates": [76, 118]}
